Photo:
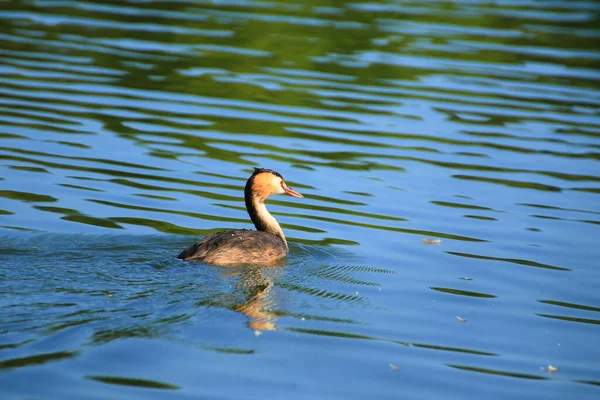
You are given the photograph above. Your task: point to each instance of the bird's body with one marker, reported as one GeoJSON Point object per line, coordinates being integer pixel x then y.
{"type": "Point", "coordinates": [266, 245]}
{"type": "Point", "coordinates": [238, 246]}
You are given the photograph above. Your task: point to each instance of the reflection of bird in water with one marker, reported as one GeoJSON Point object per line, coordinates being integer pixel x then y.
{"type": "Point", "coordinates": [265, 245]}
{"type": "Point", "coordinates": [256, 285]}
{"type": "Point", "coordinates": [259, 306]}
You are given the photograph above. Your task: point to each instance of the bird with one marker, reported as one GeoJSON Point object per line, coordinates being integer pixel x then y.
{"type": "Point", "coordinates": [266, 245]}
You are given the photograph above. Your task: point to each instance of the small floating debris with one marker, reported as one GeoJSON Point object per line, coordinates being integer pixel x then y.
{"type": "Point", "coordinates": [394, 367]}
{"type": "Point", "coordinates": [466, 278]}
{"type": "Point", "coordinates": [257, 333]}
{"type": "Point", "coordinates": [460, 319]}
{"type": "Point", "coordinates": [550, 369]}
{"type": "Point", "coordinates": [432, 241]}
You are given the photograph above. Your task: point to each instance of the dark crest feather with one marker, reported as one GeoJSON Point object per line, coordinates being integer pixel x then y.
{"type": "Point", "coordinates": [261, 170]}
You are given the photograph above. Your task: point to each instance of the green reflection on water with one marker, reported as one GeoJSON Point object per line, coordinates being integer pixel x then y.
{"type": "Point", "coordinates": [570, 305]}
{"type": "Point", "coordinates": [30, 169]}
{"type": "Point", "coordinates": [346, 335]}
{"type": "Point", "coordinates": [37, 359]}
{"type": "Point", "coordinates": [76, 216]}
{"type": "Point", "coordinates": [509, 260]}
{"type": "Point", "coordinates": [497, 372]}
{"type": "Point", "coordinates": [115, 380]}
{"type": "Point", "coordinates": [28, 197]}
{"type": "Point", "coordinates": [463, 292]}
{"type": "Point", "coordinates": [572, 319]}
{"type": "Point", "coordinates": [231, 350]}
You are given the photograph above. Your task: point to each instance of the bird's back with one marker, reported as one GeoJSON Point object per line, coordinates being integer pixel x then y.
{"type": "Point", "coordinates": [237, 247]}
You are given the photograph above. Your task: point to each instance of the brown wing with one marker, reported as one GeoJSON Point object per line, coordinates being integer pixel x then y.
{"type": "Point", "coordinates": [236, 247]}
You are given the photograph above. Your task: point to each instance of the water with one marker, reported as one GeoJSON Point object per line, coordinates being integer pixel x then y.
{"type": "Point", "coordinates": [128, 129]}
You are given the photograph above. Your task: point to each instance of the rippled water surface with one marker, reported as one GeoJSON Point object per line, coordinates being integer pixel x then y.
{"type": "Point", "coordinates": [447, 245]}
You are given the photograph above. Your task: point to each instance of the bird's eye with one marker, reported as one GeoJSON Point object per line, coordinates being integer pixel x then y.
{"type": "Point", "coordinates": [282, 183]}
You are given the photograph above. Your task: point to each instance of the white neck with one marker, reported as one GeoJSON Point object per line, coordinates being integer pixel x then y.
{"type": "Point", "coordinates": [264, 221]}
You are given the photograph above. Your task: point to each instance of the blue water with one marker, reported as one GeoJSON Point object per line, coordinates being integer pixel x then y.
{"type": "Point", "coordinates": [446, 245]}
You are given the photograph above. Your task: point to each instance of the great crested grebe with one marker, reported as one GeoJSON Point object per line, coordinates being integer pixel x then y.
{"type": "Point", "coordinates": [265, 245]}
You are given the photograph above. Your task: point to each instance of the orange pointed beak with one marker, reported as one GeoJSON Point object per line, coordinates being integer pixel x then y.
{"type": "Point", "coordinates": [291, 192]}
